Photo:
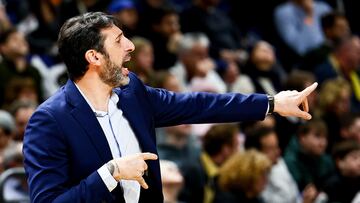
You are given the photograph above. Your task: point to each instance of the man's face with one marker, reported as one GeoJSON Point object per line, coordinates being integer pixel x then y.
{"type": "Point", "coordinates": [340, 29]}
{"type": "Point", "coordinates": [270, 147]}
{"type": "Point", "coordinates": [350, 164]}
{"type": "Point", "coordinates": [314, 143]}
{"type": "Point", "coordinates": [22, 116]}
{"type": "Point", "coordinates": [194, 56]}
{"type": "Point", "coordinates": [117, 51]}
{"type": "Point", "coordinates": [354, 130]}
{"type": "Point", "coordinates": [15, 46]}
{"type": "Point", "coordinates": [169, 25]}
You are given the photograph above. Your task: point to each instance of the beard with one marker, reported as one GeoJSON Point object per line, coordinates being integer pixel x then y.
{"type": "Point", "coordinates": [112, 74]}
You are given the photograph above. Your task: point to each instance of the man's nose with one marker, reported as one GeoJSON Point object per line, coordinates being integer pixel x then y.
{"type": "Point", "coordinates": [130, 46]}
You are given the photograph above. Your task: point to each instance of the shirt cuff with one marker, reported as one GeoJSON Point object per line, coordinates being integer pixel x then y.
{"type": "Point", "coordinates": [267, 110]}
{"type": "Point", "coordinates": [108, 179]}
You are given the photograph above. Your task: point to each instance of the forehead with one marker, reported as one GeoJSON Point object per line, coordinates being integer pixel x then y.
{"type": "Point", "coordinates": [111, 32]}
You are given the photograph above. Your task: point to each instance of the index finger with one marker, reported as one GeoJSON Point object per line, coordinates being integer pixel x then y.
{"type": "Point", "coordinates": [308, 90]}
{"type": "Point", "coordinates": [149, 156]}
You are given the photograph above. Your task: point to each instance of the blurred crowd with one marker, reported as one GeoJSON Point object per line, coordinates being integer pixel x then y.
{"type": "Point", "coordinates": [215, 46]}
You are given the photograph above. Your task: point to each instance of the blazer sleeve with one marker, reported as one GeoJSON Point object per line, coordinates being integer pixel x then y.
{"type": "Point", "coordinates": [171, 108]}
{"type": "Point", "coordinates": [46, 165]}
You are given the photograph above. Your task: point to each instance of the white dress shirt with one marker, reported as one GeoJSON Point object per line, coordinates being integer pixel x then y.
{"type": "Point", "coordinates": [122, 142]}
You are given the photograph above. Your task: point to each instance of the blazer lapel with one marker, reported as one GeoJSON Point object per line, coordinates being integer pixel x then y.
{"type": "Point", "coordinates": [87, 120]}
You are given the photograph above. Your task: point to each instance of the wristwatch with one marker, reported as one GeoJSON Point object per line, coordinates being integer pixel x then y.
{"type": "Point", "coordinates": [271, 101]}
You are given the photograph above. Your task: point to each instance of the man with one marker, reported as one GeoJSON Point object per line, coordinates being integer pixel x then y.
{"type": "Point", "coordinates": [335, 28]}
{"type": "Point", "coordinates": [298, 23]}
{"type": "Point", "coordinates": [219, 143]}
{"type": "Point", "coordinates": [195, 64]}
{"type": "Point", "coordinates": [281, 186]}
{"type": "Point", "coordinates": [89, 136]}
{"type": "Point", "coordinates": [14, 65]}
{"type": "Point", "coordinates": [344, 185]}
{"type": "Point", "coordinates": [306, 158]}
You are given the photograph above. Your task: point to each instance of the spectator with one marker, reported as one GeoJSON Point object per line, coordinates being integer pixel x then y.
{"type": "Point", "coordinates": [296, 80]}
{"type": "Point", "coordinates": [334, 103]}
{"type": "Point", "coordinates": [7, 131]}
{"type": "Point", "coordinates": [172, 181]}
{"type": "Point", "coordinates": [165, 35]}
{"type": "Point", "coordinates": [350, 127]}
{"type": "Point", "coordinates": [261, 67]}
{"type": "Point", "coordinates": [344, 62]}
{"type": "Point", "coordinates": [243, 177]}
{"type": "Point", "coordinates": [20, 89]}
{"type": "Point", "coordinates": [14, 49]}
{"type": "Point", "coordinates": [204, 16]}
{"type": "Point", "coordinates": [15, 188]}
{"type": "Point", "coordinates": [345, 184]}
{"type": "Point", "coordinates": [125, 11]}
{"type": "Point", "coordinates": [195, 64]}
{"type": "Point", "coordinates": [305, 156]}
{"type": "Point", "coordinates": [219, 143]}
{"type": "Point", "coordinates": [335, 28]}
{"type": "Point", "coordinates": [166, 80]}
{"type": "Point", "coordinates": [22, 111]}
{"type": "Point", "coordinates": [281, 187]}
{"type": "Point", "coordinates": [298, 24]}
{"type": "Point", "coordinates": [142, 59]}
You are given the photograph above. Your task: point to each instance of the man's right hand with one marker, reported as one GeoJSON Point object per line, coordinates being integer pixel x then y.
{"type": "Point", "coordinates": [132, 167]}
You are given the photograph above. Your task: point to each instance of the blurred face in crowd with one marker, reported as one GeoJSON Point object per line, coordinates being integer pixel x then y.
{"type": "Point", "coordinates": [144, 58]}
{"type": "Point", "coordinates": [339, 30]}
{"type": "Point", "coordinates": [193, 57]}
{"type": "Point", "coordinates": [354, 130]}
{"type": "Point", "coordinates": [270, 147]}
{"type": "Point", "coordinates": [342, 104]}
{"type": "Point", "coordinates": [22, 117]}
{"type": "Point", "coordinates": [231, 73]}
{"type": "Point", "coordinates": [128, 17]}
{"type": "Point", "coordinates": [172, 83]}
{"type": "Point", "coordinates": [263, 56]}
{"type": "Point", "coordinates": [169, 25]}
{"type": "Point", "coordinates": [229, 150]}
{"type": "Point", "coordinates": [15, 46]}
{"type": "Point", "coordinates": [349, 55]}
{"type": "Point", "coordinates": [118, 49]}
{"type": "Point", "coordinates": [350, 165]}
{"type": "Point", "coordinates": [314, 143]}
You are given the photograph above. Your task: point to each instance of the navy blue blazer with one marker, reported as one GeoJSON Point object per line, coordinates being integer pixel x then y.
{"type": "Point", "coordinates": [64, 144]}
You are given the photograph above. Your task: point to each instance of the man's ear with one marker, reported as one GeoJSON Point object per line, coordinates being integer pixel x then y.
{"type": "Point", "coordinates": [92, 57]}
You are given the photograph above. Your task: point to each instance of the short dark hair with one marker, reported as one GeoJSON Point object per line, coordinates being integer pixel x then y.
{"type": "Point", "coordinates": [328, 20]}
{"type": "Point", "coordinates": [253, 137]}
{"type": "Point", "coordinates": [348, 120]}
{"type": "Point", "coordinates": [160, 13]}
{"type": "Point", "coordinates": [342, 149]}
{"type": "Point", "coordinates": [217, 137]}
{"type": "Point", "coordinates": [79, 34]}
{"type": "Point", "coordinates": [316, 125]}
